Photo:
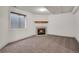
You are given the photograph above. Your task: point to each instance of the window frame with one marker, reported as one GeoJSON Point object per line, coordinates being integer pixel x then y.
{"type": "Point", "coordinates": [17, 14]}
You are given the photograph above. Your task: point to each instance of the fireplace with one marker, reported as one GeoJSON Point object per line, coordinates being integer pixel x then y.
{"type": "Point", "coordinates": [41, 31]}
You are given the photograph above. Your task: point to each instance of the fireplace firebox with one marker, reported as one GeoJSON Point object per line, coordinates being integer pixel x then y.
{"type": "Point", "coordinates": [41, 31]}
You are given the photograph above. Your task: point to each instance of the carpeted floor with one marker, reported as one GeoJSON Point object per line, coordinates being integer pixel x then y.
{"type": "Point", "coordinates": [43, 44]}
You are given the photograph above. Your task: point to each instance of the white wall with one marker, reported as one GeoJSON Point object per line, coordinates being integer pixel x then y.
{"type": "Point", "coordinates": [3, 26]}
{"type": "Point", "coordinates": [17, 34]}
{"type": "Point", "coordinates": [7, 34]}
{"type": "Point", "coordinates": [40, 17]}
{"type": "Point", "coordinates": [77, 26]}
{"type": "Point", "coordinates": [62, 24]}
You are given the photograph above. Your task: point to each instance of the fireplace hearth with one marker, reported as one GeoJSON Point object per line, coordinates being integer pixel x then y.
{"type": "Point", "coordinates": [41, 31]}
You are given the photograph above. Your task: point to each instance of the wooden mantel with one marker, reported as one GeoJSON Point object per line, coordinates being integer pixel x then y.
{"type": "Point", "coordinates": [41, 21]}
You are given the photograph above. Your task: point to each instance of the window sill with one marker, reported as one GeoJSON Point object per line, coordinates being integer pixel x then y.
{"type": "Point", "coordinates": [18, 29]}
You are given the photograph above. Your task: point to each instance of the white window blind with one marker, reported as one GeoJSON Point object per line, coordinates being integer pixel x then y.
{"type": "Point", "coordinates": [17, 20]}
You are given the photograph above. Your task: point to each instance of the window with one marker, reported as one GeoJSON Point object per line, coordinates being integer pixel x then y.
{"type": "Point", "coordinates": [17, 20]}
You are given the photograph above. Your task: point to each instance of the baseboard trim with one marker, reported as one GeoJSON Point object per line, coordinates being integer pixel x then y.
{"type": "Point", "coordinates": [77, 40]}
{"type": "Point", "coordinates": [35, 35]}
{"type": "Point", "coordinates": [17, 41]}
{"type": "Point", "coordinates": [61, 36]}
{"type": "Point", "coordinates": [65, 37]}
{"type": "Point", "coordinates": [3, 46]}
{"type": "Point", "coordinates": [22, 39]}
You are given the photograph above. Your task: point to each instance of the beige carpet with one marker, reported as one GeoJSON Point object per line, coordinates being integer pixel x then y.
{"type": "Point", "coordinates": [43, 44]}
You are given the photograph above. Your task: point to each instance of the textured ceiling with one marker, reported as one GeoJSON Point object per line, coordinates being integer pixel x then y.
{"type": "Point", "coordinates": [60, 9]}
{"type": "Point", "coordinates": [51, 9]}
{"type": "Point", "coordinates": [33, 9]}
